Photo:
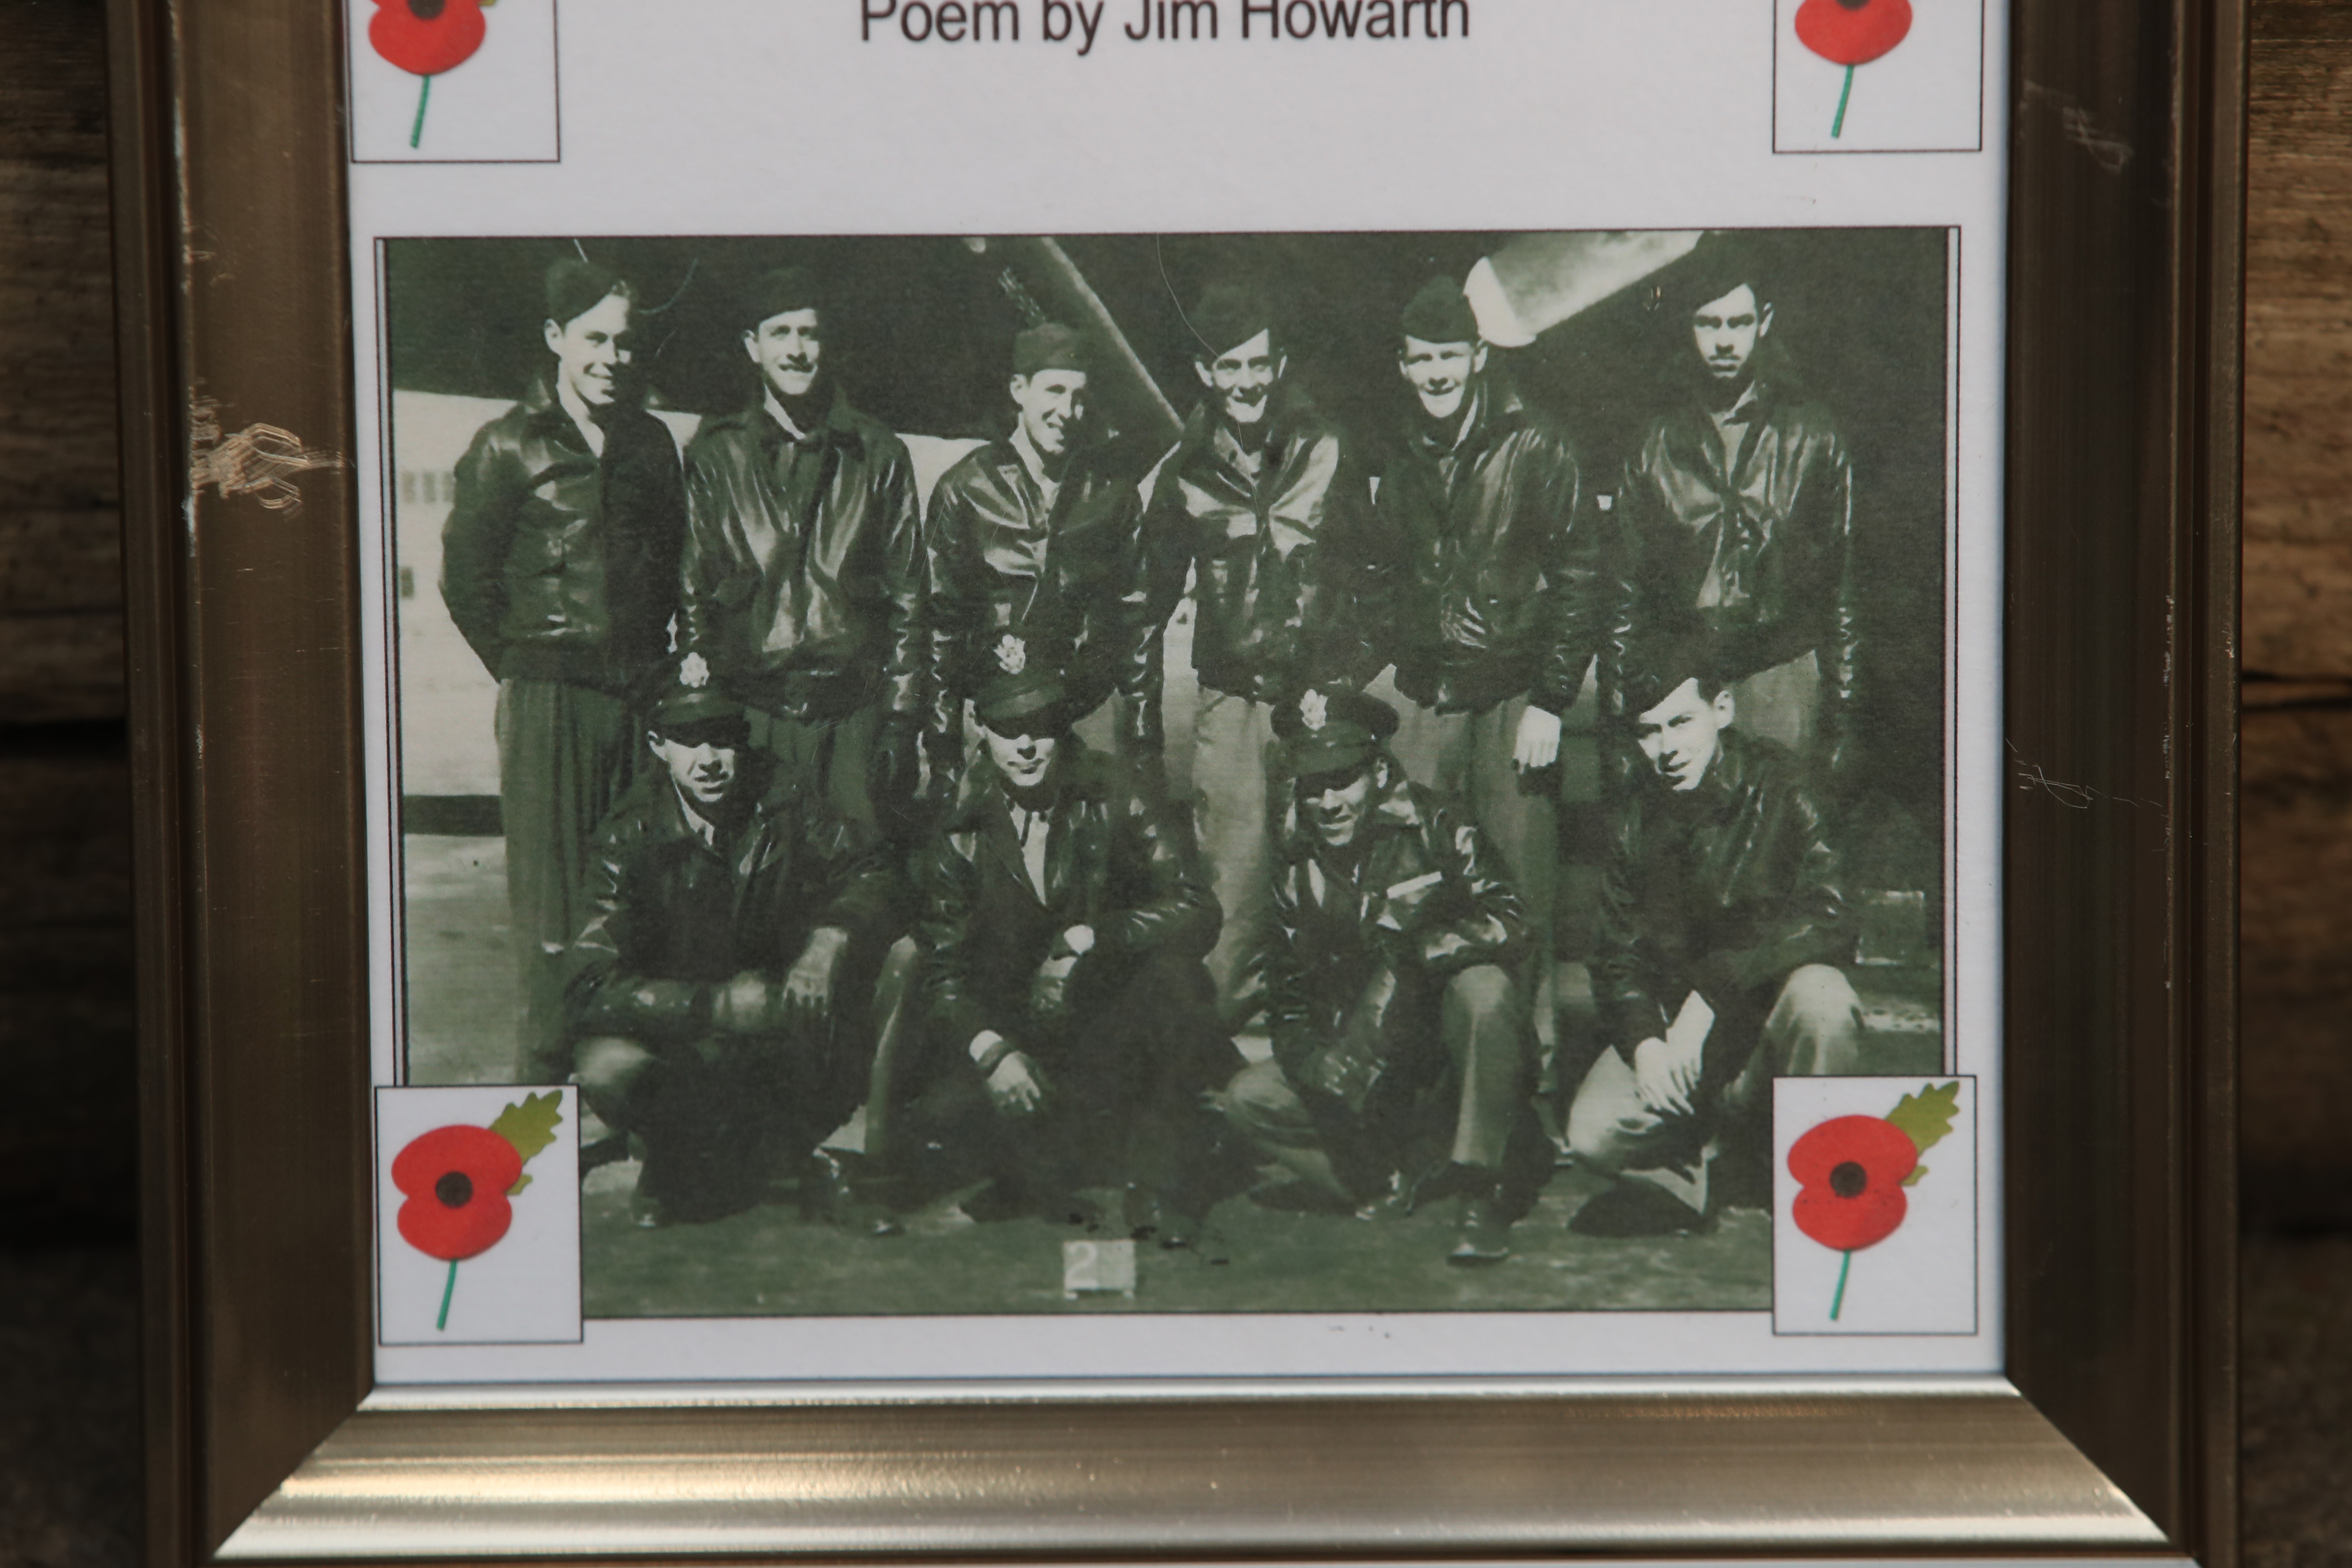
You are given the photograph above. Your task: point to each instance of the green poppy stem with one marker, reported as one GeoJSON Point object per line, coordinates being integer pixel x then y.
{"type": "Point", "coordinates": [1835, 1303]}
{"type": "Point", "coordinates": [451, 1289]}
{"type": "Point", "coordinates": [1836, 126]}
{"type": "Point", "coordinates": [425, 94]}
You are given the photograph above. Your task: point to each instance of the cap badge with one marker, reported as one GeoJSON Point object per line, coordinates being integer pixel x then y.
{"type": "Point", "coordinates": [1314, 710]}
{"type": "Point", "coordinates": [1012, 655]}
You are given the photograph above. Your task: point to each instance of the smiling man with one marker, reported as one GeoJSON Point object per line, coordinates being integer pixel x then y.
{"type": "Point", "coordinates": [1263, 505]}
{"type": "Point", "coordinates": [1039, 536]}
{"type": "Point", "coordinates": [803, 577]}
{"type": "Point", "coordinates": [1072, 1030]}
{"type": "Point", "coordinates": [1502, 600]}
{"type": "Point", "coordinates": [559, 564]}
{"type": "Point", "coordinates": [1400, 1059]}
{"type": "Point", "coordinates": [1739, 506]}
{"type": "Point", "coordinates": [1721, 923]}
{"type": "Point", "coordinates": [720, 990]}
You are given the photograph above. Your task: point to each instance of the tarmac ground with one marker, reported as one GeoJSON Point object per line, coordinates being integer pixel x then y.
{"type": "Point", "coordinates": [769, 1259]}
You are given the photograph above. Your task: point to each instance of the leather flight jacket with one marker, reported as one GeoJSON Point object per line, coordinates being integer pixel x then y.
{"type": "Point", "coordinates": [557, 565]}
{"type": "Point", "coordinates": [804, 574]}
{"type": "Point", "coordinates": [1726, 890]}
{"type": "Point", "coordinates": [1761, 548]}
{"type": "Point", "coordinates": [672, 918]}
{"type": "Point", "coordinates": [1503, 590]}
{"type": "Point", "coordinates": [1117, 860]}
{"type": "Point", "coordinates": [1287, 578]}
{"type": "Point", "coordinates": [1367, 935]}
{"type": "Point", "coordinates": [1067, 579]}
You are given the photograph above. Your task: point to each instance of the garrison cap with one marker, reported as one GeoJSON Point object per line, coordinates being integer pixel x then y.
{"type": "Point", "coordinates": [1228, 316]}
{"type": "Point", "coordinates": [1721, 262]}
{"type": "Point", "coordinates": [1050, 345]}
{"type": "Point", "coordinates": [1663, 656]}
{"type": "Point", "coordinates": [1328, 731]}
{"type": "Point", "coordinates": [783, 290]}
{"type": "Point", "coordinates": [1440, 313]}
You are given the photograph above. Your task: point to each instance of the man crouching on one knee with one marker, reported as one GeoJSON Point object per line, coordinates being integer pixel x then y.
{"type": "Point", "coordinates": [1388, 980]}
{"type": "Point", "coordinates": [720, 991]}
{"type": "Point", "coordinates": [1720, 920]}
{"type": "Point", "coordinates": [1073, 1033]}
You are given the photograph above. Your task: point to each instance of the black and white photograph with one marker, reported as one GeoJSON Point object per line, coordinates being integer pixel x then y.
{"type": "Point", "coordinates": [1186, 773]}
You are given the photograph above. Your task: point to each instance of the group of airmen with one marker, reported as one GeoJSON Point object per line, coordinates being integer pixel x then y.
{"type": "Point", "coordinates": [841, 835]}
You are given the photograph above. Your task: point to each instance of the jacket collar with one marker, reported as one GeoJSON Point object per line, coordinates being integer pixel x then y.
{"type": "Point", "coordinates": [754, 843]}
{"type": "Point", "coordinates": [839, 425]}
{"type": "Point", "coordinates": [1492, 410]}
{"type": "Point", "coordinates": [549, 418]}
{"type": "Point", "coordinates": [1723, 785]}
{"type": "Point", "coordinates": [1292, 411]}
{"type": "Point", "coordinates": [982, 794]}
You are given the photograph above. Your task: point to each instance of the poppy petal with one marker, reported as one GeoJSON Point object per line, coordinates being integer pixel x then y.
{"type": "Point", "coordinates": [454, 1235]}
{"type": "Point", "coordinates": [1848, 1225]}
{"type": "Point", "coordinates": [427, 45]}
{"type": "Point", "coordinates": [1851, 35]}
{"type": "Point", "coordinates": [1881, 1149]}
{"type": "Point", "coordinates": [429, 1220]}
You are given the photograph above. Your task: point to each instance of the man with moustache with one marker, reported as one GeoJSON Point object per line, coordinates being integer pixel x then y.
{"type": "Point", "coordinates": [1264, 503]}
{"type": "Point", "coordinates": [1072, 1035]}
{"type": "Point", "coordinates": [1739, 507]}
{"type": "Point", "coordinates": [1502, 597]}
{"type": "Point", "coordinates": [802, 578]}
{"type": "Point", "coordinates": [721, 989]}
{"type": "Point", "coordinates": [1036, 537]}
{"type": "Point", "coordinates": [559, 564]}
{"type": "Point", "coordinates": [1720, 924]}
{"type": "Point", "coordinates": [1401, 1040]}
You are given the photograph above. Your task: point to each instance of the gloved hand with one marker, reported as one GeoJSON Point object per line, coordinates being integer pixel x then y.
{"type": "Point", "coordinates": [746, 1005]}
{"type": "Point", "coordinates": [1350, 1067]}
{"type": "Point", "coordinates": [1049, 989]}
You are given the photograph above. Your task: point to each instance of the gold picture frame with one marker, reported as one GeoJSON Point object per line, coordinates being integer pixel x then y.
{"type": "Point", "coordinates": [2114, 1431]}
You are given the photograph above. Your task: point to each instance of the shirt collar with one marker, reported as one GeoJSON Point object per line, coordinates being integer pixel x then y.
{"type": "Point", "coordinates": [783, 421]}
{"type": "Point", "coordinates": [1031, 459]}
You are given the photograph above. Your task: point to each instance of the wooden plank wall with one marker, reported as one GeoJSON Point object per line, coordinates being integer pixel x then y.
{"type": "Point", "coordinates": [2296, 886]}
{"type": "Point", "coordinates": [65, 1134]}
{"type": "Point", "coordinates": [67, 1138]}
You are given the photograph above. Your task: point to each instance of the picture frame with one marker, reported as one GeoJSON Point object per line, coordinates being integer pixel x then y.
{"type": "Point", "coordinates": [2114, 1431]}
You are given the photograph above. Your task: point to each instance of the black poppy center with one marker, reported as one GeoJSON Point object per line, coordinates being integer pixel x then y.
{"type": "Point", "coordinates": [430, 10]}
{"type": "Point", "coordinates": [1848, 1181]}
{"type": "Point", "coordinates": [1848, 5]}
{"type": "Point", "coordinates": [456, 1190]}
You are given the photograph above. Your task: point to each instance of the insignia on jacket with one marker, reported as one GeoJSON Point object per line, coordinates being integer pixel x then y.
{"type": "Point", "coordinates": [1012, 655]}
{"type": "Point", "coordinates": [1314, 710]}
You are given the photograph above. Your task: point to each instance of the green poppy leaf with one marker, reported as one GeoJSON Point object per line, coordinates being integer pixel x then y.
{"type": "Point", "coordinates": [520, 1183]}
{"type": "Point", "coordinates": [530, 1125]}
{"type": "Point", "coordinates": [1910, 1181]}
{"type": "Point", "coordinates": [1925, 1117]}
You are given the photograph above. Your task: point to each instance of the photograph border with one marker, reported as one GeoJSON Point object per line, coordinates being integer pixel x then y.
{"type": "Point", "coordinates": [389, 831]}
{"type": "Point", "coordinates": [2115, 1427]}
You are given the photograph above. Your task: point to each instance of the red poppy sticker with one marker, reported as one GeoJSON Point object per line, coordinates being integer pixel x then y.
{"type": "Point", "coordinates": [425, 37]}
{"type": "Point", "coordinates": [1852, 33]}
{"type": "Point", "coordinates": [1851, 1172]}
{"type": "Point", "coordinates": [459, 1182]}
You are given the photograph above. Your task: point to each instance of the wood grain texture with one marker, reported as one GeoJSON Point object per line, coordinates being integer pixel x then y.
{"type": "Point", "coordinates": [2297, 761]}
{"type": "Point", "coordinates": [61, 528]}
